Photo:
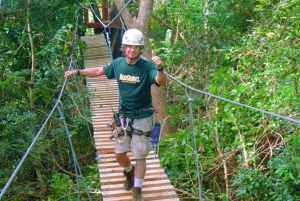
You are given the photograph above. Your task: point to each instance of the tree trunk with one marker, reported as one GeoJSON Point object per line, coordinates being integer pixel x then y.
{"type": "Point", "coordinates": [142, 22]}
{"type": "Point", "coordinates": [221, 154]}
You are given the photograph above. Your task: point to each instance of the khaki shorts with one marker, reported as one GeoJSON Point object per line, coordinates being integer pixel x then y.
{"type": "Point", "coordinates": [140, 144]}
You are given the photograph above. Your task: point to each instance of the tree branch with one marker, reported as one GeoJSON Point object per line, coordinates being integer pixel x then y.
{"type": "Point", "coordinates": [244, 145]}
{"type": "Point", "coordinates": [170, 27]}
{"type": "Point", "coordinates": [222, 156]}
{"type": "Point", "coordinates": [81, 192]}
{"type": "Point", "coordinates": [31, 84]}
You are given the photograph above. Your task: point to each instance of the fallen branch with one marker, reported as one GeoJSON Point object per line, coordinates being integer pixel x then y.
{"type": "Point", "coordinates": [81, 192]}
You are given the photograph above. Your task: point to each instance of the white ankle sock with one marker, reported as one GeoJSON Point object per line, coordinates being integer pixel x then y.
{"type": "Point", "coordinates": [138, 182]}
{"type": "Point", "coordinates": [128, 169]}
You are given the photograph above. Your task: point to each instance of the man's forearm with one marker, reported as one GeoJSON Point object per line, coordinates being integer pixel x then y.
{"type": "Point", "coordinates": [89, 72]}
{"type": "Point", "coordinates": [161, 78]}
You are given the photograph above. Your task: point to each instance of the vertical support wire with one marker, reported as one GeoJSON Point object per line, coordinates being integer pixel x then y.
{"type": "Point", "coordinates": [76, 165]}
{"type": "Point", "coordinates": [85, 116]}
{"type": "Point", "coordinates": [194, 142]}
{"type": "Point", "coordinates": [104, 162]}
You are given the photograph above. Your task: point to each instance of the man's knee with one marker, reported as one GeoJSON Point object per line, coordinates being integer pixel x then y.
{"type": "Point", "coordinates": [120, 156]}
{"type": "Point", "coordinates": [141, 160]}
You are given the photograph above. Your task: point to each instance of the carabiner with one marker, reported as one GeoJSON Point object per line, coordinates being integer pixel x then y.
{"type": "Point", "coordinates": [122, 124]}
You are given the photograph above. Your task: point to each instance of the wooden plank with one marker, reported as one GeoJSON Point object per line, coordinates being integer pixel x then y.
{"type": "Point", "coordinates": [156, 183]}
{"type": "Point", "coordinates": [169, 195]}
{"type": "Point", "coordinates": [109, 165]}
{"type": "Point", "coordinates": [105, 156]}
{"type": "Point", "coordinates": [145, 190]}
{"type": "Point", "coordinates": [103, 169]}
{"type": "Point", "coordinates": [117, 175]}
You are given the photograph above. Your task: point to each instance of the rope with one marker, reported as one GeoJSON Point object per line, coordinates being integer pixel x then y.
{"type": "Point", "coordinates": [234, 102]}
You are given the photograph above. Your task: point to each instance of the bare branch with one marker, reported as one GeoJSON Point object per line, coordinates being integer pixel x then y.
{"type": "Point", "coordinates": [170, 27]}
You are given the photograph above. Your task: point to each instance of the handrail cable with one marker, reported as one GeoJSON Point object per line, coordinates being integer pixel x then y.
{"type": "Point", "coordinates": [234, 102]}
{"type": "Point", "coordinates": [118, 13]}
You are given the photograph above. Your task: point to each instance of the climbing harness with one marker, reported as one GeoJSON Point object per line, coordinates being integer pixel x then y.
{"type": "Point", "coordinates": [121, 125]}
{"type": "Point", "coordinates": [125, 129]}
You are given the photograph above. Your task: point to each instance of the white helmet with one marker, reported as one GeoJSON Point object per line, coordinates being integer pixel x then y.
{"type": "Point", "coordinates": [133, 37]}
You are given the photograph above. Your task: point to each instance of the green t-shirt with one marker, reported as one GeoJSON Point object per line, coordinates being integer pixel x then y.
{"type": "Point", "coordinates": [134, 82]}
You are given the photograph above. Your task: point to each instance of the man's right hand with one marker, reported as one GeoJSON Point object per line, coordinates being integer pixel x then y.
{"type": "Point", "coordinates": [70, 72]}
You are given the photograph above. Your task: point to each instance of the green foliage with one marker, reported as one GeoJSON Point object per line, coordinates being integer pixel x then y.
{"type": "Point", "coordinates": [245, 51]}
{"type": "Point", "coordinates": [63, 186]}
{"type": "Point", "coordinates": [280, 181]}
{"type": "Point", "coordinates": [54, 33]}
{"type": "Point", "coordinates": [248, 54]}
{"type": "Point", "coordinates": [174, 162]}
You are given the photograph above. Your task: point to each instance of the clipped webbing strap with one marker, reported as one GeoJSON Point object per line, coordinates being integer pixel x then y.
{"type": "Point", "coordinates": [136, 113]}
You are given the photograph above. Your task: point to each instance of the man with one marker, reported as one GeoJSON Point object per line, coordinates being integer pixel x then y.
{"type": "Point", "coordinates": [134, 75]}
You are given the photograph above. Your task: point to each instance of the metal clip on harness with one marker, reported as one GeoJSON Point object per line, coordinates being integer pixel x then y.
{"type": "Point", "coordinates": [124, 129]}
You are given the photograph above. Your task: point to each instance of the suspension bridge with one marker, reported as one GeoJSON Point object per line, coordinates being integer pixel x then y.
{"type": "Point", "coordinates": [103, 97]}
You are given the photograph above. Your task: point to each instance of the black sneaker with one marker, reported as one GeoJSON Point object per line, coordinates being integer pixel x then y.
{"type": "Point", "coordinates": [129, 181]}
{"type": "Point", "coordinates": [137, 194]}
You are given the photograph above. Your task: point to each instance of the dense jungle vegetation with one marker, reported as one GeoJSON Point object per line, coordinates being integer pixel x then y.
{"type": "Point", "coordinates": [244, 51]}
